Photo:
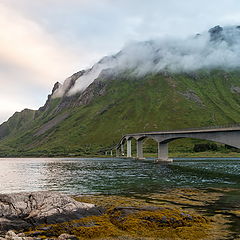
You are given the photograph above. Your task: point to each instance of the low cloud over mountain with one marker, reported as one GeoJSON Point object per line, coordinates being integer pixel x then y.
{"type": "Point", "coordinates": [218, 47]}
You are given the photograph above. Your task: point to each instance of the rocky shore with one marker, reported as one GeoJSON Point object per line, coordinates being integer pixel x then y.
{"type": "Point", "coordinates": [11, 235]}
{"type": "Point", "coordinates": [171, 215]}
{"type": "Point", "coordinates": [21, 211]}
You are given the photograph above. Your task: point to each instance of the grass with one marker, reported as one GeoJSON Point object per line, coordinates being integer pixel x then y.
{"type": "Point", "coordinates": [150, 103]}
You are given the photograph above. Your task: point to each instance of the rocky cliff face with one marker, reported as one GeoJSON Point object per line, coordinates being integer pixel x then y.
{"type": "Point", "coordinates": [46, 106]}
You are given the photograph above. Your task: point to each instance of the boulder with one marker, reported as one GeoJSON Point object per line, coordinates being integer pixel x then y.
{"type": "Point", "coordinates": [20, 211]}
{"type": "Point", "coordinates": [11, 235]}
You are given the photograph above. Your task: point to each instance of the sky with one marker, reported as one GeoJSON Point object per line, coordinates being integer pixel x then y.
{"type": "Point", "coordinates": [45, 41]}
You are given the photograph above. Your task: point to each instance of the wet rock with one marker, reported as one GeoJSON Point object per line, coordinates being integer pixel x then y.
{"type": "Point", "coordinates": [45, 228]}
{"type": "Point", "coordinates": [21, 235]}
{"type": "Point", "coordinates": [24, 210]}
{"type": "Point", "coordinates": [11, 235]}
{"type": "Point", "coordinates": [66, 236]}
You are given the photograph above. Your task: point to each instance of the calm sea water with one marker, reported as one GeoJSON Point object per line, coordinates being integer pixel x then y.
{"type": "Point", "coordinates": [115, 176]}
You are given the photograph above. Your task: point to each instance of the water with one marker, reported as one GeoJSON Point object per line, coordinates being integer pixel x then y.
{"type": "Point", "coordinates": [115, 176]}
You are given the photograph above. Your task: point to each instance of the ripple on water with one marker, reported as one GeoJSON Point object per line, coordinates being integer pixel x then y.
{"type": "Point", "coordinates": [115, 176]}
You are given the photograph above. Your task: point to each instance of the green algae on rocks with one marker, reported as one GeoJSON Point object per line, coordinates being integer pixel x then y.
{"type": "Point", "coordinates": [169, 215]}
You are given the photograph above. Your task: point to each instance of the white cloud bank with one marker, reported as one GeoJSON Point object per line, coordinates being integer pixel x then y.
{"type": "Point", "coordinates": [24, 44]}
{"type": "Point", "coordinates": [217, 48]}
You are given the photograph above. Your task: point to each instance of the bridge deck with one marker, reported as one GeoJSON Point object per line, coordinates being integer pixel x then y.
{"type": "Point", "coordinates": [229, 135]}
{"type": "Point", "coordinates": [185, 131]}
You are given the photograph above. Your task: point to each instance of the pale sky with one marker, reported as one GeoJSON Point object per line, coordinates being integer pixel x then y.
{"type": "Point", "coordinates": [44, 41]}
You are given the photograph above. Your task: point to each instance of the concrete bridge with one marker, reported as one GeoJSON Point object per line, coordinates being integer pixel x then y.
{"type": "Point", "coordinates": [225, 135]}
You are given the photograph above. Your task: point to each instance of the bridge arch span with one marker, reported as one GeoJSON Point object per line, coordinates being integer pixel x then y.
{"type": "Point", "coordinates": [229, 136]}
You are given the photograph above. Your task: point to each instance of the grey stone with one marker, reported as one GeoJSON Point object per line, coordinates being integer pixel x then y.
{"type": "Point", "coordinates": [45, 228]}
{"type": "Point", "coordinates": [10, 234]}
{"type": "Point", "coordinates": [65, 236]}
{"type": "Point", "coordinates": [23, 210]}
{"type": "Point", "coordinates": [235, 89]}
{"type": "Point", "coordinates": [192, 96]}
{"type": "Point", "coordinates": [16, 238]}
{"type": "Point", "coordinates": [21, 235]}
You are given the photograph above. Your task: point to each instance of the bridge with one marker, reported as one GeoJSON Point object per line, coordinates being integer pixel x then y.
{"type": "Point", "coordinates": [224, 135]}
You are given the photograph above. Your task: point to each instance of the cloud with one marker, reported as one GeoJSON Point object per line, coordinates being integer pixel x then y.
{"type": "Point", "coordinates": [25, 45]}
{"type": "Point", "coordinates": [31, 61]}
{"type": "Point", "coordinates": [217, 48]}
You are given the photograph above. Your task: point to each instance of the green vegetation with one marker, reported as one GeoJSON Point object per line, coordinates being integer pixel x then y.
{"type": "Point", "coordinates": [170, 223]}
{"type": "Point", "coordinates": [151, 103]}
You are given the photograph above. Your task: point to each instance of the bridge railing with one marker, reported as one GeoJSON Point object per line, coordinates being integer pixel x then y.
{"type": "Point", "coordinates": [234, 125]}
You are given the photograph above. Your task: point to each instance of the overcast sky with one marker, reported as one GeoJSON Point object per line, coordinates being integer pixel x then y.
{"type": "Point", "coordinates": [44, 41]}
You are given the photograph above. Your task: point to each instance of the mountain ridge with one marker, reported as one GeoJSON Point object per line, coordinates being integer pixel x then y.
{"type": "Point", "coordinates": [117, 102]}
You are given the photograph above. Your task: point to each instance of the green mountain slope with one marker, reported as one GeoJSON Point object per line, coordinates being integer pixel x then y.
{"type": "Point", "coordinates": [112, 106]}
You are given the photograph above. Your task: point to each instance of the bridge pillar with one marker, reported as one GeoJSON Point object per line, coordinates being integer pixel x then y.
{"type": "Point", "coordinates": [122, 149]}
{"type": "Point", "coordinates": [129, 148]}
{"type": "Point", "coordinates": [163, 152]}
{"type": "Point", "coordinates": [117, 152]}
{"type": "Point", "coordinates": [140, 149]}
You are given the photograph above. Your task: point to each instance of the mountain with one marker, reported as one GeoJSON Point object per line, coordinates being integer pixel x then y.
{"type": "Point", "coordinates": [148, 86]}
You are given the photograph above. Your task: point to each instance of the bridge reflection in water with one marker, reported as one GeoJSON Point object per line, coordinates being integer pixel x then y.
{"type": "Point", "coordinates": [225, 135]}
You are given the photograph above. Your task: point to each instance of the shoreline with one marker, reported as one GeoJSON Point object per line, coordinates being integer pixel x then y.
{"type": "Point", "coordinates": [146, 155]}
{"type": "Point", "coordinates": [208, 216]}
{"type": "Point", "coordinates": [207, 202]}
